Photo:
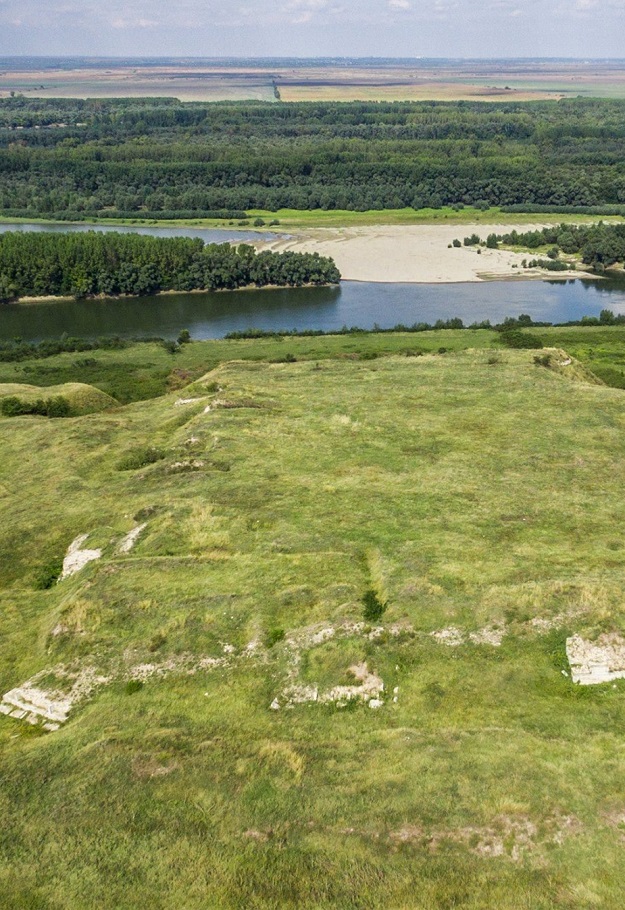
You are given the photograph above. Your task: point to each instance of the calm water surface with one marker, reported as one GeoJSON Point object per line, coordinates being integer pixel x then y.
{"type": "Point", "coordinates": [212, 315]}
{"type": "Point", "coordinates": [208, 235]}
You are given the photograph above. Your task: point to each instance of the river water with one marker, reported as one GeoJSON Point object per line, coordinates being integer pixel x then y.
{"type": "Point", "coordinates": [363, 304]}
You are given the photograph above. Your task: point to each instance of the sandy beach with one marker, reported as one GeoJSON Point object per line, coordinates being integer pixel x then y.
{"type": "Point", "coordinates": [414, 253]}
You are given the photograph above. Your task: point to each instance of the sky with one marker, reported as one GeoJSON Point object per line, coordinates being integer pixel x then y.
{"type": "Point", "coordinates": [313, 28]}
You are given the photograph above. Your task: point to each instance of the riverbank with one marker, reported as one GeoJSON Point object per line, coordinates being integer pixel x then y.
{"type": "Point", "coordinates": [246, 288]}
{"type": "Point", "coordinates": [302, 219]}
{"type": "Point", "coordinates": [417, 254]}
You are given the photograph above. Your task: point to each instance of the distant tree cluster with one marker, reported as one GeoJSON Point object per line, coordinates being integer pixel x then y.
{"type": "Point", "coordinates": [600, 245]}
{"type": "Point", "coordinates": [34, 264]}
{"type": "Point", "coordinates": [163, 158]}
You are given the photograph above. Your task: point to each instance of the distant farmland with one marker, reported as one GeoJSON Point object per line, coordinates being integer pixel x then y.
{"type": "Point", "coordinates": [312, 80]}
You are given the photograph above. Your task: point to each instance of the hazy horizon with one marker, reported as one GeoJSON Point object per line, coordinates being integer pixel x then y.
{"type": "Point", "coordinates": [447, 29]}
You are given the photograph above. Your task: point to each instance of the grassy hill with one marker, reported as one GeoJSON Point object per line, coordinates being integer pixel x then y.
{"type": "Point", "coordinates": [81, 398]}
{"type": "Point", "coordinates": [238, 735]}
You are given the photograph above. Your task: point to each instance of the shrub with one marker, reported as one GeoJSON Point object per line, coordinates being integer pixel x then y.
{"type": "Point", "coordinates": [286, 358]}
{"type": "Point", "coordinates": [543, 360]}
{"type": "Point", "coordinates": [513, 338]}
{"type": "Point", "coordinates": [157, 641]}
{"type": "Point", "coordinates": [184, 337]}
{"type": "Point", "coordinates": [140, 458]}
{"type": "Point", "coordinates": [457, 243]}
{"type": "Point", "coordinates": [132, 686]}
{"type": "Point", "coordinates": [48, 407]}
{"type": "Point", "coordinates": [11, 406]}
{"type": "Point", "coordinates": [57, 407]}
{"type": "Point", "coordinates": [273, 636]}
{"type": "Point", "coordinates": [48, 574]}
{"type": "Point", "coordinates": [373, 607]}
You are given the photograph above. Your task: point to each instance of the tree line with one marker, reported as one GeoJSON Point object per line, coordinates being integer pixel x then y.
{"type": "Point", "coordinates": [599, 245]}
{"type": "Point", "coordinates": [112, 156]}
{"type": "Point", "coordinates": [35, 264]}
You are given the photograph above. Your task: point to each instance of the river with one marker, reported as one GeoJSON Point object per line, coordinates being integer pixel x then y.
{"type": "Point", "coordinates": [212, 315]}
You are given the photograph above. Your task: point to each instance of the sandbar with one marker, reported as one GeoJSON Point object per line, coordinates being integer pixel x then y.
{"type": "Point", "coordinates": [417, 253]}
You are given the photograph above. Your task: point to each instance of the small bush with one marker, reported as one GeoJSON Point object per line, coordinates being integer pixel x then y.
{"type": "Point", "coordinates": [172, 347]}
{"type": "Point", "coordinates": [48, 574]}
{"type": "Point", "coordinates": [48, 407]}
{"type": "Point", "coordinates": [273, 636]}
{"type": "Point", "coordinates": [132, 686]}
{"type": "Point", "coordinates": [473, 240]}
{"type": "Point", "coordinates": [457, 243]}
{"type": "Point", "coordinates": [520, 340]}
{"type": "Point", "coordinates": [373, 607]}
{"type": "Point", "coordinates": [287, 358]}
{"type": "Point", "coordinates": [542, 360]}
{"type": "Point", "coordinates": [57, 407]}
{"type": "Point", "coordinates": [157, 641]}
{"type": "Point", "coordinates": [184, 337]}
{"type": "Point", "coordinates": [140, 458]}
{"type": "Point", "coordinates": [11, 406]}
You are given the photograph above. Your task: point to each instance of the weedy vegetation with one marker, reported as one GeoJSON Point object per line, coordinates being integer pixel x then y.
{"type": "Point", "coordinates": [334, 674]}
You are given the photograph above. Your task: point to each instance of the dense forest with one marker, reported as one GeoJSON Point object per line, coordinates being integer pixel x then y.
{"type": "Point", "coordinates": [84, 265]}
{"type": "Point", "coordinates": [64, 158]}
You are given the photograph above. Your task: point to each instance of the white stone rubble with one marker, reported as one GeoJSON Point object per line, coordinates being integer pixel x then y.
{"type": "Point", "coordinates": [597, 661]}
{"type": "Point", "coordinates": [131, 538]}
{"type": "Point", "coordinates": [77, 558]}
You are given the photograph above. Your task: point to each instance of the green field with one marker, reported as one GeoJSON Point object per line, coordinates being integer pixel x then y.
{"type": "Point", "coordinates": [295, 219]}
{"type": "Point", "coordinates": [477, 493]}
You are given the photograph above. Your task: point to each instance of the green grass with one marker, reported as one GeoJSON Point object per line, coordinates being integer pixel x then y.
{"type": "Point", "coordinates": [295, 219]}
{"type": "Point", "coordinates": [82, 398]}
{"type": "Point", "coordinates": [467, 492]}
{"type": "Point", "coordinates": [147, 370]}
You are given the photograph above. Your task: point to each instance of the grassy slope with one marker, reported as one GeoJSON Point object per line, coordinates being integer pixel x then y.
{"type": "Point", "coordinates": [82, 398]}
{"type": "Point", "coordinates": [147, 370]}
{"type": "Point", "coordinates": [468, 492]}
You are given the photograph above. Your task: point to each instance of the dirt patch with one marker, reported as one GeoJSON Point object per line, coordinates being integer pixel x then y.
{"type": "Point", "coordinates": [452, 637]}
{"type": "Point", "coordinates": [490, 635]}
{"type": "Point", "coordinates": [369, 691]}
{"type": "Point", "coordinates": [508, 837]}
{"type": "Point", "coordinates": [178, 467]}
{"type": "Point", "coordinates": [182, 401]}
{"type": "Point", "coordinates": [614, 816]}
{"type": "Point", "coordinates": [260, 836]}
{"type": "Point", "coordinates": [146, 767]}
